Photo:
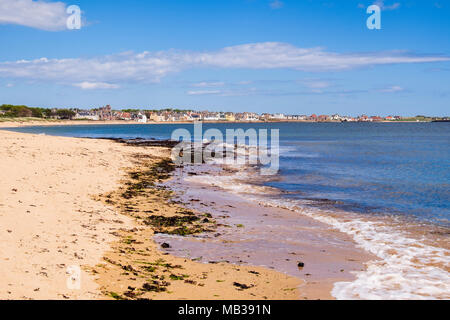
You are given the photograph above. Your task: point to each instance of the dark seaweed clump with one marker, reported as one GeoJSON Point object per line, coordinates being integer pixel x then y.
{"type": "Point", "coordinates": [176, 225]}
{"type": "Point", "coordinates": [175, 221]}
{"type": "Point", "coordinates": [146, 179]}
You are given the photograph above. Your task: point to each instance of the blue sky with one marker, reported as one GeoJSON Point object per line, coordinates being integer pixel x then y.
{"type": "Point", "coordinates": [292, 56]}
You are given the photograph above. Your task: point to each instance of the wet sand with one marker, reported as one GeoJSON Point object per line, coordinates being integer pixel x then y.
{"type": "Point", "coordinates": [60, 187]}
{"type": "Point", "coordinates": [377, 256]}
{"type": "Point", "coordinates": [274, 238]}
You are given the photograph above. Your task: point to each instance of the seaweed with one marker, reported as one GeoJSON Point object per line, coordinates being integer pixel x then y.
{"type": "Point", "coordinates": [175, 221]}
{"type": "Point", "coordinates": [155, 286]}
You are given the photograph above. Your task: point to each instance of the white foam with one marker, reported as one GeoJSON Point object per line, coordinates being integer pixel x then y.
{"type": "Point", "coordinates": [404, 270]}
{"type": "Point", "coordinates": [229, 183]}
{"type": "Point", "coordinates": [407, 267]}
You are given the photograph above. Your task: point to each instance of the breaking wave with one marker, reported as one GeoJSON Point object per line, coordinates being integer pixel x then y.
{"type": "Point", "coordinates": [408, 267]}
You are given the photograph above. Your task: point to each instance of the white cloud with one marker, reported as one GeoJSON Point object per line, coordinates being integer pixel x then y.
{"type": "Point", "coordinates": [209, 84]}
{"type": "Point", "coordinates": [385, 7]}
{"type": "Point", "coordinates": [96, 85]}
{"type": "Point", "coordinates": [275, 55]}
{"type": "Point", "coordinates": [380, 3]}
{"type": "Point", "coordinates": [316, 85]}
{"type": "Point", "coordinates": [152, 67]}
{"type": "Point", "coordinates": [203, 92]}
{"type": "Point", "coordinates": [9, 85]}
{"type": "Point", "coordinates": [392, 89]}
{"type": "Point", "coordinates": [39, 14]}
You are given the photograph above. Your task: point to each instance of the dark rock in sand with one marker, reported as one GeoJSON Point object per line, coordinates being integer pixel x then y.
{"type": "Point", "coordinates": [165, 246]}
{"type": "Point", "coordinates": [300, 265]}
{"type": "Point", "coordinates": [242, 286]}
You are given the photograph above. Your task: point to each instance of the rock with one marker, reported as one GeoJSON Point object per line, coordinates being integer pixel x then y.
{"type": "Point", "coordinates": [242, 286]}
{"type": "Point", "coordinates": [165, 246]}
{"type": "Point", "coordinates": [301, 265]}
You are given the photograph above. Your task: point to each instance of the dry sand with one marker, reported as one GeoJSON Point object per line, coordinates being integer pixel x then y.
{"type": "Point", "coordinates": [51, 219]}
{"type": "Point", "coordinates": [19, 122]}
{"type": "Point", "coordinates": [48, 220]}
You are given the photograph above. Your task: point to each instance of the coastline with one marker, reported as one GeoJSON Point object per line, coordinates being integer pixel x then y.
{"type": "Point", "coordinates": [53, 183]}
{"type": "Point", "coordinates": [250, 229]}
{"type": "Point", "coordinates": [393, 263]}
{"type": "Point", "coordinates": [398, 257]}
{"type": "Point", "coordinates": [44, 123]}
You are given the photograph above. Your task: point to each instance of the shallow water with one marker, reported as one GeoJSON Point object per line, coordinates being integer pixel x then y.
{"type": "Point", "coordinates": [389, 168]}
{"type": "Point", "coordinates": [410, 259]}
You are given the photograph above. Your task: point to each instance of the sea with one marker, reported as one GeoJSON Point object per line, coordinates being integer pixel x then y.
{"type": "Point", "coordinates": [387, 185]}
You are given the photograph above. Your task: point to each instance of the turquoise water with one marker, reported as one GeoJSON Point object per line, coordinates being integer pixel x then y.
{"type": "Point", "coordinates": [369, 168]}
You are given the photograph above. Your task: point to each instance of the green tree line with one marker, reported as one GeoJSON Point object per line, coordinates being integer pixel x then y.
{"type": "Point", "coordinates": [12, 111]}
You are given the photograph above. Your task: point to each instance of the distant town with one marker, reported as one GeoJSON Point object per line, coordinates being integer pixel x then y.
{"type": "Point", "coordinates": [106, 113]}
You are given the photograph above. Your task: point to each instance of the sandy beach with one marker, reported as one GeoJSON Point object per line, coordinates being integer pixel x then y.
{"type": "Point", "coordinates": [61, 207]}
{"type": "Point", "coordinates": [224, 158]}
{"type": "Point", "coordinates": [139, 227]}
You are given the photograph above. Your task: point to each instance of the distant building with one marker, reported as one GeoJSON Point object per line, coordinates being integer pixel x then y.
{"type": "Point", "coordinates": [251, 117]}
{"type": "Point", "coordinates": [155, 117]}
{"type": "Point", "coordinates": [297, 117]}
{"type": "Point", "coordinates": [105, 113]}
{"type": "Point", "coordinates": [126, 116]}
{"type": "Point", "coordinates": [279, 116]}
{"type": "Point", "coordinates": [86, 115]}
{"type": "Point", "coordinates": [178, 115]}
{"type": "Point", "coordinates": [211, 116]}
{"type": "Point", "coordinates": [230, 117]}
{"type": "Point", "coordinates": [364, 118]}
{"type": "Point", "coordinates": [348, 119]}
{"type": "Point", "coordinates": [141, 118]}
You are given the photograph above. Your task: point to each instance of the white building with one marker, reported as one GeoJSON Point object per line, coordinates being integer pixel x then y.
{"type": "Point", "coordinates": [85, 115]}
{"type": "Point", "coordinates": [279, 116]}
{"type": "Point", "coordinates": [211, 118]}
{"type": "Point", "coordinates": [141, 118]}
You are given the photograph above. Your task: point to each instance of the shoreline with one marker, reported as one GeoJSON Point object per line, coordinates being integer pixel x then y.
{"type": "Point", "coordinates": [44, 123]}
{"type": "Point", "coordinates": [152, 273]}
{"type": "Point", "coordinates": [113, 237]}
{"type": "Point", "coordinates": [249, 230]}
{"type": "Point", "coordinates": [75, 228]}
{"type": "Point", "coordinates": [403, 259]}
